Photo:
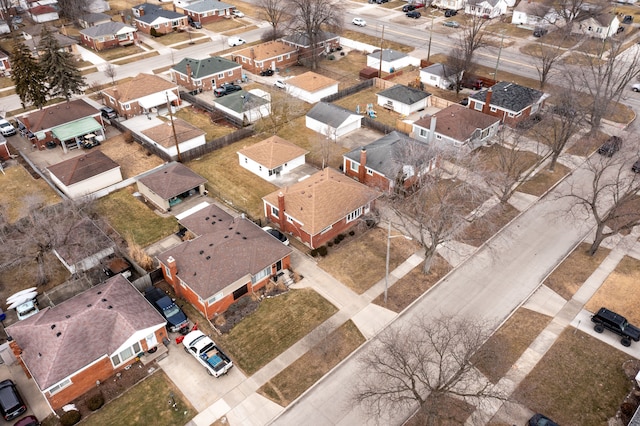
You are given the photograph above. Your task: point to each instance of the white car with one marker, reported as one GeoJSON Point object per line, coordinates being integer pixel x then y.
{"type": "Point", "coordinates": [280, 84]}
{"type": "Point", "coordinates": [6, 128]}
{"type": "Point", "coordinates": [636, 87]}
{"type": "Point", "coordinates": [236, 41]}
{"type": "Point", "coordinates": [237, 13]}
{"type": "Point", "coordinates": [359, 22]}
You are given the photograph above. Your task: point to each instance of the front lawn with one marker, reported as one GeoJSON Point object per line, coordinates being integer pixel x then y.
{"type": "Point", "coordinates": [479, 231]}
{"type": "Point", "coordinates": [620, 291]}
{"type": "Point", "coordinates": [18, 187]}
{"type": "Point", "coordinates": [543, 180]}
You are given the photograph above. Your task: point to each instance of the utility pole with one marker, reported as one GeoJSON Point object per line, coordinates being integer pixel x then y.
{"type": "Point", "coordinates": [495, 74]}
{"type": "Point", "coordinates": [173, 127]}
{"type": "Point", "coordinates": [380, 66]}
{"type": "Point", "coordinates": [430, 34]}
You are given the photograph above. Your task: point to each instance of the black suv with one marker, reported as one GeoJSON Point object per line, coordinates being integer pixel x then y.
{"type": "Point", "coordinates": [408, 8]}
{"type": "Point", "coordinates": [225, 89]}
{"type": "Point", "coordinates": [611, 146]}
{"type": "Point", "coordinates": [108, 112]}
{"type": "Point", "coordinates": [176, 319]}
{"type": "Point", "coordinates": [450, 12]}
{"type": "Point", "coordinates": [605, 318]}
{"type": "Point", "coordinates": [11, 403]}
{"type": "Point", "coordinates": [413, 14]}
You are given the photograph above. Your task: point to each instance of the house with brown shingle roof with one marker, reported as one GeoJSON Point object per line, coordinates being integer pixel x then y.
{"type": "Point", "coordinates": [457, 126]}
{"type": "Point", "coordinates": [140, 95]}
{"type": "Point", "coordinates": [164, 137]}
{"type": "Point", "coordinates": [85, 247]}
{"type": "Point", "coordinates": [311, 87]}
{"type": "Point", "coordinates": [85, 340]}
{"type": "Point", "coordinates": [272, 157]}
{"type": "Point", "coordinates": [269, 55]}
{"type": "Point", "coordinates": [229, 258]}
{"type": "Point", "coordinates": [319, 207]}
{"type": "Point", "coordinates": [170, 185]}
{"type": "Point", "coordinates": [84, 174]}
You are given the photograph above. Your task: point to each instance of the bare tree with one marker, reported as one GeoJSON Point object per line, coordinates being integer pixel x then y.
{"type": "Point", "coordinates": [73, 9]}
{"type": "Point", "coordinates": [547, 56]}
{"type": "Point", "coordinates": [460, 59]}
{"type": "Point", "coordinates": [422, 364]}
{"type": "Point", "coordinates": [284, 109]}
{"type": "Point", "coordinates": [573, 10]}
{"type": "Point", "coordinates": [111, 72]}
{"type": "Point", "coordinates": [275, 13]}
{"type": "Point", "coordinates": [610, 198]}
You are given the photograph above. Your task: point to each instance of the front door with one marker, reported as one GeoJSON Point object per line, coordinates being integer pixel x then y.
{"type": "Point", "coordinates": [152, 342]}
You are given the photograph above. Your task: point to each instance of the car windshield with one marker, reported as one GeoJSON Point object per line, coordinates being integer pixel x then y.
{"type": "Point", "coordinates": [171, 310]}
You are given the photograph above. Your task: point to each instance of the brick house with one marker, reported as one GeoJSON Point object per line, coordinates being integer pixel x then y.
{"type": "Point", "coordinates": [4, 149]}
{"type": "Point", "coordinates": [108, 35]}
{"type": "Point", "coordinates": [389, 161]}
{"type": "Point", "coordinates": [230, 257]}
{"type": "Point", "coordinates": [510, 102]}
{"type": "Point", "coordinates": [206, 11]}
{"type": "Point", "coordinates": [140, 94]}
{"type": "Point", "coordinates": [319, 207]}
{"type": "Point", "coordinates": [86, 339]}
{"type": "Point", "coordinates": [325, 42]}
{"type": "Point", "coordinates": [5, 64]}
{"type": "Point", "coordinates": [205, 74]}
{"type": "Point", "coordinates": [156, 21]}
{"type": "Point", "coordinates": [272, 54]}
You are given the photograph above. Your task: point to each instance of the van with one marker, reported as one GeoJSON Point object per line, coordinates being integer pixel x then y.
{"type": "Point", "coordinates": [235, 41]}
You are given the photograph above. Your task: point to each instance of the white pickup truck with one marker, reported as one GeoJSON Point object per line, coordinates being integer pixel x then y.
{"type": "Point", "coordinates": [207, 353]}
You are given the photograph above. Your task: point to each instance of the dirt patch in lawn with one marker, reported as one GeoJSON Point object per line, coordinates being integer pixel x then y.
{"type": "Point", "coordinates": [132, 157]}
{"type": "Point", "coordinates": [567, 278]}
{"type": "Point", "coordinates": [18, 187]}
{"type": "Point", "coordinates": [619, 292]}
{"type": "Point", "coordinates": [202, 120]}
{"type": "Point", "coordinates": [586, 145]}
{"type": "Point", "coordinates": [544, 180]}
{"type": "Point", "coordinates": [480, 231]}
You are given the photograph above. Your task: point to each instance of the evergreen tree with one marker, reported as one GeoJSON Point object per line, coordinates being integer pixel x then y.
{"type": "Point", "coordinates": [27, 75]}
{"type": "Point", "coordinates": [63, 77]}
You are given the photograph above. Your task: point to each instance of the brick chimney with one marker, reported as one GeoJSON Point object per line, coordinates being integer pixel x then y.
{"type": "Point", "coordinates": [281, 219]}
{"type": "Point", "coordinates": [188, 72]}
{"type": "Point", "coordinates": [487, 103]}
{"type": "Point", "coordinates": [17, 353]}
{"type": "Point", "coordinates": [363, 163]}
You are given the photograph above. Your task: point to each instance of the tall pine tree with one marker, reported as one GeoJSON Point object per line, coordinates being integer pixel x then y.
{"type": "Point", "coordinates": [27, 75]}
{"type": "Point", "coordinates": [63, 77]}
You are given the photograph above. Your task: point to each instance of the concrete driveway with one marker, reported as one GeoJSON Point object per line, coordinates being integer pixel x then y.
{"type": "Point", "coordinates": [36, 404]}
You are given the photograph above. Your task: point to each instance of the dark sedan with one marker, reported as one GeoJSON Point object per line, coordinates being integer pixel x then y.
{"type": "Point", "coordinates": [277, 234]}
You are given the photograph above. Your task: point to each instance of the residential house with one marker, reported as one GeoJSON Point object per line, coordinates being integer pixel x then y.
{"type": "Point", "coordinates": [311, 87]}
{"type": "Point", "coordinates": [331, 120]}
{"type": "Point", "coordinates": [5, 64]}
{"type": "Point", "coordinates": [440, 75]}
{"type": "Point", "coordinates": [175, 135]}
{"type": "Point", "coordinates": [449, 4]}
{"type": "Point", "coordinates": [108, 35]}
{"type": "Point", "coordinates": [85, 174]}
{"type": "Point", "coordinates": [85, 247]}
{"type": "Point", "coordinates": [85, 340]}
{"type": "Point", "coordinates": [154, 20]}
{"type": "Point", "coordinates": [245, 107]}
{"type": "Point", "coordinates": [65, 124]}
{"type": "Point", "coordinates": [140, 95]}
{"type": "Point", "coordinates": [486, 8]}
{"type": "Point", "coordinates": [403, 99]}
{"type": "Point", "coordinates": [601, 26]}
{"type": "Point", "coordinates": [395, 160]}
{"type": "Point", "coordinates": [230, 257]}
{"type": "Point", "coordinates": [272, 54]}
{"type": "Point", "coordinates": [4, 149]}
{"type": "Point", "coordinates": [392, 60]}
{"type": "Point", "coordinates": [457, 126]}
{"type": "Point", "coordinates": [92, 19]}
{"type": "Point", "coordinates": [325, 42]}
{"type": "Point", "coordinates": [43, 13]}
{"type": "Point", "coordinates": [272, 157]}
{"type": "Point", "coordinates": [170, 185]}
{"type": "Point", "coordinates": [4, 27]}
{"type": "Point", "coordinates": [197, 75]}
{"type": "Point", "coordinates": [534, 14]}
{"type": "Point", "coordinates": [32, 37]}
{"type": "Point", "coordinates": [320, 207]}
{"type": "Point", "coordinates": [510, 102]}
{"type": "Point", "coordinates": [206, 11]}
{"type": "Point", "coordinates": [97, 6]}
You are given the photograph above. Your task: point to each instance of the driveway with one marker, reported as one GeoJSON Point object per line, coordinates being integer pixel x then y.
{"type": "Point", "coordinates": [36, 403]}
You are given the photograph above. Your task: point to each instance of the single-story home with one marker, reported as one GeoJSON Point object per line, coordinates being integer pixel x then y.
{"type": "Point", "coordinates": [32, 39]}
{"type": "Point", "coordinates": [43, 13]}
{"type": "Point", "coordinates": [440, 75]}
{"type": "Point", "coordinates": [534, 14]}
{"type": "Point", "coordinates": [272, 157]}
{"type": "Point", "coordinates": [270, 55]}
{"type": "Point", "coordinates": [163, 136]}
{"type": "Point", "coordinates": [206, 11]}
{"type": "Point", "coordinates": [230, 257]}
{"type": "Point", "coordinates": [331, 120]}
{"type": "Point", "coordinates": [486, 8]}
{"type": "Point", "coordinates": [510, 102]}
{"type": "Point", "coordinates": [311, 87]}
{"type": "Point", "coordinates": [84, 174]}
{"type": "Point", "coordinates": [154, 20]}
{"type": "Point", "coordinates": [403, 99]}
{"type": "Point", "coordinates": [4, 149]}
{"type": "Point", "coordinates": [140, 95]}
{"type": "Point", "coordinates": [457, 126]}
{"type": "Point", "coordinates": [84, 236]}
{"type": "Point", "coordinates": [5, 64]}
{"type": "Point", "coordinates": [245, 107]}
{"type": "Point", "coordinates": [392, 60]}
{"type": "Point", "coordinates": [108, 35]}
{"type": "Point", "coordinates": [112, 323]}
{"type": "Point", "coordinates": [601, 26]}
{"type": "Point", "coordinates": [92, 19]}
{"type": "Point", "coordinates": [325, 42]}
{"type": "Point", "coordinates": [170, 185]}
{"type": "Point", "coordinates": [320, 207]}
{"type": "Point", "coordinates": [197, 75]}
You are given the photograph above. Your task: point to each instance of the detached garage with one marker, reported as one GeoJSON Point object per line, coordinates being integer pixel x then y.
{"type": "Point", "coordinates": [85, 174]}
{"type": "Point", "coordinates": [171, 185]}
{"type": "Point", "coordinates": [332, 121]}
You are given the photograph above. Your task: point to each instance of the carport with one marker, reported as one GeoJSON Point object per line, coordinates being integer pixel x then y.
{"type": "Point", "coordinates": [70, 134]}
{"type": "Point", "coordinates": [154, 100]}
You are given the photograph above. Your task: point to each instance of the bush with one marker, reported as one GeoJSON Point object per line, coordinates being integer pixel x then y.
{"type": "Point", "coordinates": [336, 240]}
{"type": "Point", "coordinates": [70, 418]}
{"type": "Point", "coordinates": [342, 237]}
{"type": "Point", "coordinates": [314, 252]}
{"type": "Point", "coordinates": [330, 244]}
{"type": "Point", "coordinates": [352, 233]}
{"type": "Point", "coordinates": [95, 402]}
{"type": "Point", "coordinates": [322, 251]}
{"type": "Point", "coordinates": [331, 57]}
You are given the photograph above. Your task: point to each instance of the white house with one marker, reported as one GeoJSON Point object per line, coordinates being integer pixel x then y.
{"type": "Point", "coordinates": [41, 14]}
{"type": "Point", "coordinates": [272, 157]}
{"type": "Point", "coordinates": [247, 107]}
{"type": "Point", "coordinates": [601, 26]}
{"type": "Point", "coordinates": [439, 75]}
{"type": "Point", "coordinates": [534, 14]}
{"type": "Point", "coordinates": [163, 136]}
{"type": "Point", "coordinates": [331, 120]}
{"type": "Point", "coordinates": [84, 174]}
{"type": "Point", "coordinates": [311, 87]}
{"type": "Point", "coordinates": [403, 100]}
{"type": "Point", "coordinates": [486, 8]}
{"type": "Point", "coordinates": [392, 60]}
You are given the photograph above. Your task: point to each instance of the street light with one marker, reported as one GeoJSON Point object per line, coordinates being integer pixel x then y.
{"type": "Point", "coordinates": [386, 275]}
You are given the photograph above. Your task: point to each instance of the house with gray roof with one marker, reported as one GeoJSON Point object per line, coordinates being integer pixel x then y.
{"type": "Point", "coordinates": [331, 120]}
{"type": "Point", "coordinates": [325, 42]}
{"type": "Point", "coordinates": [206, 11]}
{"type": "Point", "coordinates": [440, 75]}
{"type": "Point", "coordinates": [154, 20]}
{"type": "Point", "coordinates": [245, 107]}
{"type": "Point", "coordinates": [91, 19]}
{"type": "Point", "coordinates": [488, 9]}
{"type": "Point", "coordinates": [393, 161]}
{"type": "Point", "coordinates": [403, 99]}
{"type": "Point", "coordinates": [510, 102]}
{"type": "Point", "coordinates": [86, 339]}
{"type": "Point", "coordinates": [392, 60]}
{"type": "Point", "coordinates": [170, 185]}
{"type": "Point", "coordinates": [108, 35]}
{"type": "Point", "coordinates": [198, 75]}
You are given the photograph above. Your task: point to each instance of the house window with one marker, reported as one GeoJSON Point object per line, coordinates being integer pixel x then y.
{"type": "Point", "coordinates": [287, 56]}
{"type": "Point", "coordinates": [221, 75]}
{"type": "Point", "coordinates": [157, 27]}
{"type": "Point", "coordinates": [370, 172]}
{"type": "Point", "coordinates": [127, 106]}
{"type": "Point", "coordinates": [246, 160]}
{"type": "Point", "coordinates": [214, 299]}
{"type": "Point", "coordinates": [167, 272]}
{"type": "Point", "coordinates": [230, 73]}
{"type": "Point", "coordinates": [126, 354]}
{"type": "Point", "coordinates": [354, 166]}
{"type": "Point", "coordinates": [423, 133]}
{"type": "Point", "coordinates": [59, 386]}
{"type": "Point", "coordinates": [433, 77]}
{"type": "Point", "coordinates": [477, 106]}
{"type": "Point", "coordinates": [354, 215]}
{"type": "Point", "coordinates": [493, 109]}
{"type": "Point", "coordinates": [484, 134]}
{"type": "Point", "coordinates": [198, 82]}
{"type": "Point", "coordinates": [279, 58]}
{"type": "Point", "coordinates": [261, 275]}
{"type": "Point", "coordinates": [258, 64]}
{"type": "Point", "coordinates": [327, 229]}
{"type": "Point", "coordinates": [274, 211]}
{"type": "Point", "coordinates": [511, 114]}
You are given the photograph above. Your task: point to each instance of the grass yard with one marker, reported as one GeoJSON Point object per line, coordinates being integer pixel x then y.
{"type": "Point", "coordinates": [276, 325]}
{"type": "Point", "coordinates": [587, 145]}
{"type": "Point", "coordinates": [145, 404]}
{"type": "Point", "coordinates": [375, 41]}
{"type": "Point", "coordinates": [136, 58]}
{"type": "Point", "coordinates": [132, 157]}
{"type": "Point", "coordinates": [579, 381]}
{"type": "Point", "coordinates": [196, 40]}
{"type": "Point", "coordinates": [479, 231]}
{"type": "Point", "coordinates": [567, 278]}
{"type": "Point", "coordinates": [368, 96]}
{"type": "Point", "coordinates": [543, 180]}
{"type": "Point", "coordinates": [509, 342]}
{"type": "Point", "coordinates": [620, 291]}
{"type": "Point", "coordinates": [202, 120]}
{"type": "Point", "coordinates": [178, 37]}
{"type": "Point", "coordinates": [360, 263]}
{"type": "Point", "coordinates": [345, 69]}
{"type": "Point", "coordinates": [17, 187]}
{"type": "Point", "coordinates": [133, 219]}
{"type": "Point", "coordinates": [231, 182]}
{"type": "Point", "coordinates": [291, 382]}
{"type": "Point", "coordinates": [496, 158]}
{"type": "Point", "coordinates": [413, 285]}
{"type": "Point", "coordinates": [119, 52]}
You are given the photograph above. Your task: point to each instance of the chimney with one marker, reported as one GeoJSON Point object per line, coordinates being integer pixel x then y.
{"type": "Point", "coordinates": [188, 71]}
{"type": "Point", "coordinates": [173, 267]}
{"type": "Point", "coordinates": [124, 21]}
{"type": "Point", "coordinates": [487, 102]}
{"type": "Point", "coordinates": [140, 12]}
{"type": "Point", "coordinates": [17, 353]}
{"type": "Point", "coordinates": [432, 129]}
{"type": "Point", "coordinates": [363, 163]}
{"type": "Point", "coordinates": [281, 219]}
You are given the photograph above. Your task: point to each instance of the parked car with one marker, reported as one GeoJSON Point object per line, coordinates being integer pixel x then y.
{"type": "Point", "coordinates": [18, 20]}
{"type": "Point", "coordinates": [277, 234]}
{"type": "Point", "coordinates": [237, 13]}
{"type": "Point", "coordinates": [359, 22]}
{"type": "Point", "coordinates": [27, 421]}
{"type": "Point", "coordinates": [408, 8]}
{"type": "Point", "coordinates": [108, 112]}
{"type": "Point", "coordinates": [11, 403]}
{"type": "Point", "coordinates": [450, 12]}
{"type": "Point", "coordinates": [451, 24]}
{"type": "Point", "coordinates": [611, 146]}
{"type": "Point", "coordinates": [541, 420]}
{"type": "Point", "coordinates": [225, 89]}
{"type": "Point", "coordinates": [176, 319]}
{"type": "Point", "coordinates": [202, 348]}
{"type": "Point", "coordinates": [628, 19]}
{"type": "Point", "coordinates": [266, 73]}
{"type": "Point", "coordinates": [195, 24]}
{"type": "Point", "coordinates": [539, 31]}
{"type": "Point", "coordinates": [7, 128]}
{"type": "Point", "coordinates": [235, 41]}
{"type": "Point", "coordinates": [414, 14]}
{"type": "Point", "coordinates": [636, 167]}
{"type": "Point", "coordinates": [280, 84]}
{"type": "Point", "coordinates": [27, 309]}
{"type": "Point", "coordinates": [605, 318]}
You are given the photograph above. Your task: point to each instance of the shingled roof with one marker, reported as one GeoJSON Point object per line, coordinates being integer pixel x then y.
{"type": "Point", "coordinates": [273, 152]}
{"type": "Point", "coordinates": [311, 82]}
{"type": "Point", "coordinates": [388, 55]}
{"type": "Point", "coordinates": [404, 94]}
{"type": "Point", "coordinates": [172, 180]}
{"type": "Point", "coordinates": [138, 87]}
{"type": "Point", "coordinates": [163, 134]}
{"type": "Point", "coordinates": [264, 51]}
{"type": "Point", "coordinates": [207, 5]}
{"type": "Point", "coordinates": [458, 122]}
{"type": "Point", "coordinates": [201, 68]}
{"type": "Point", "coordinates": [329, 114]}
{"type": "Point", "coordinates": [55, 115]}
{"type": "Point", "coordinates": [509, 96]}
{"type": "Point", "coordinates": [203, 221]}
{"type": "Point", "coordinates": [82, 167]}
{"type": "Point", "coordinates": [107, 29]}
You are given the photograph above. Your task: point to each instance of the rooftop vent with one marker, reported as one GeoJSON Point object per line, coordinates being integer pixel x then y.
{"type": "Point", "coordinates": [58, 334]}
{"type": "Point", "coordinates": [88, 305]}
{"type": "Point", "coordinates": [208, 257]}
{"type": "Point", "coordinates": [210, 244]}
{"type": "Point", "coordinates": [104, 300]}
{"type": "Point", "coordinates": [206, 218]}
{"type": "Point", "coordinates": [100, 292]}
{"type": "Point", "coordinates": [201, 251]}
{"type": "Point", "coordinates": [109, 307]}
{"type": "Point", "coordinates": [67, 316]}
{"type": "Point", "coordinates": [53, 326]}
